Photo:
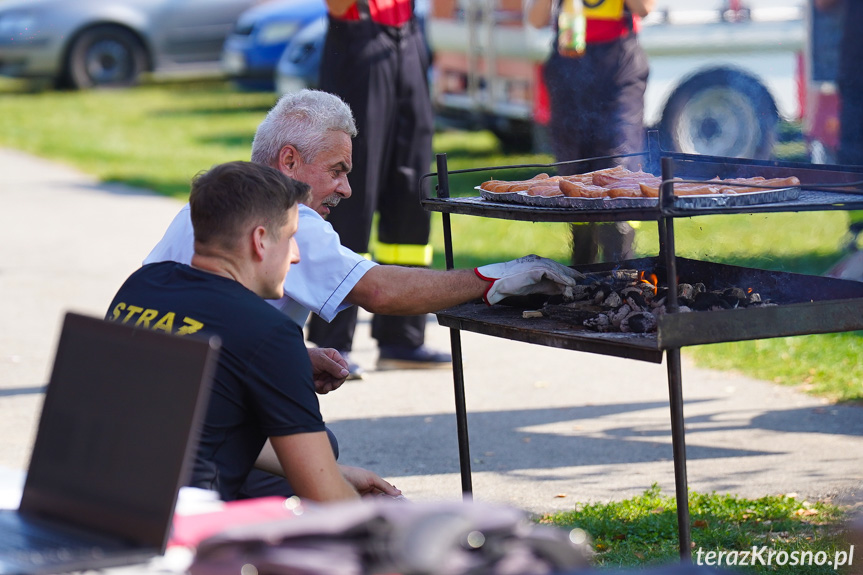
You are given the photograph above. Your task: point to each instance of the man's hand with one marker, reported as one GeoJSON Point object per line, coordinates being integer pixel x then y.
{"type": "Point", "coordinates": [527, 275]}
{"type": "Point", "coordinates": [367, 482]}
{"type": "Point", "coordinates": [329, 369]}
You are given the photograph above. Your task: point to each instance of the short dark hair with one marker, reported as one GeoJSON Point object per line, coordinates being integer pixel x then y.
{"type": "Point", "coordinates": [230, 197]}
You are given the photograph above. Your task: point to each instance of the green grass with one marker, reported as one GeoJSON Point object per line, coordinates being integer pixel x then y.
{"type": "Point", "coordinates": [826, 365]}
{"type": "Point", "coordinates": [155, 136]}
{"type": "Point", "coordinates": [158, 136]}
{"type": "Point", "coordinates": [642, 531]}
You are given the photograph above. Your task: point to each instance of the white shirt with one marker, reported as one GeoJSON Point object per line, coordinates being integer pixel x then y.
{"type": "Point", "coordinates": [327, 271]}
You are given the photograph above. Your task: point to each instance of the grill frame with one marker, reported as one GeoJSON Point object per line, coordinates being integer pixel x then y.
{"type": "Point", "coordinates": [842, 311]}
{"type": "Point", "coordinates": [806, 305]}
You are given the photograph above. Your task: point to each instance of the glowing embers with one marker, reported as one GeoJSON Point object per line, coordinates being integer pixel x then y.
{"type": "Point", "coordinates": [650, 280]}
{"type": "Point", "coordinates": [630, 301]}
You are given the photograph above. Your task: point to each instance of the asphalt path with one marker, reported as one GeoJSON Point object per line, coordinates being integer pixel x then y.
{"type": "Point", "coordinates": [548, 427]}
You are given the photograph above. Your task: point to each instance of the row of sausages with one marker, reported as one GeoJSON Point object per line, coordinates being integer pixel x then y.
{"type": "Point", "coordinates": [619, 182]}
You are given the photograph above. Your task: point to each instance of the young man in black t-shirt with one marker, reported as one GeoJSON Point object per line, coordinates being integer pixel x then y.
{"type": "Point", "coordinates": [244, 216]}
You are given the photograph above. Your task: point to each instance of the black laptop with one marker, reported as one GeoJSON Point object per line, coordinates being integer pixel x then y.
{"type": "Point", "coordinates": [115, 442]}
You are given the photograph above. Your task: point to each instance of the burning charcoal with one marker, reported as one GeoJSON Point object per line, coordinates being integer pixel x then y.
{"type": "Point", "coordinates": [627, 275]}
{"type": "Point", "coordinates": [660, 311]}
{"type": "Point", "coordinates": [582, 292]}
{"type": "Point", "coordinates": [634, 296]}
{"type": "Point", "coordinates": [686, 293]}
{"type": "Point", "coordinates": [618, 315]}
{"type": "Point", "coordinates": [699, 287]}
{"type": "Point", "coordinates": [639, 322]}
{"type": "Point", "coordinates": [636, 300]}
{"type": "Point", "coordinates": [648, 292]}
{"type": "Point", "coordinates": [620, 276]}
{"type": "Point", "coordinates": [613, 300]}
{"type": "Point", "coordinates": [630, 289]}
{"type": "Point", "coordinates": [658, 302]}
{"type": "Point", "coordinates": [730, 301]}
{"type": "Point", "coordinates": [754, 298]}
{"type": "Point", "coordinates": [738, 294]}
{"type": "Point", "coordinates": [599, 323]}
{"type": "Point", "coordinates": [600, 295]}
{"type": "Point", "coordinates": [709, 301]}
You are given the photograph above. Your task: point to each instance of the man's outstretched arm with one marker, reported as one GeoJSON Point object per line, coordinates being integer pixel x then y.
{"type": "Point", "coordinates": [397, 290]}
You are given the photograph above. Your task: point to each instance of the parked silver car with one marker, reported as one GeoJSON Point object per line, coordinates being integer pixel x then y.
{"type": "Point", "coordinates": [90, 43]}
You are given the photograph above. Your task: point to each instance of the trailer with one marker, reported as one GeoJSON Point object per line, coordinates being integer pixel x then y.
{"type": "Point", "coordinates": [721, 79]}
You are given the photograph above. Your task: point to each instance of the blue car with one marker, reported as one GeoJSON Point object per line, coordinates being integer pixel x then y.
{"type": "Point", "coordinates": [261, 35]}
{"type": "Point", "coordinates": [300, 63]}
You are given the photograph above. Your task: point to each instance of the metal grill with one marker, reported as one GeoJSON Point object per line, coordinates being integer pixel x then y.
{"type": "Point", "coordinates": [807, 304]}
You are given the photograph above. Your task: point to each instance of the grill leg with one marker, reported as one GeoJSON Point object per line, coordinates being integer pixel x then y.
{"type": "Point", "coordinates": [678, 446]}
{"type": "Point", "coordinates": [675, 376]}
{"type": "Point", "coordinates": [461, 414]}
{"type": "Point", "coordinates": [455, 344]}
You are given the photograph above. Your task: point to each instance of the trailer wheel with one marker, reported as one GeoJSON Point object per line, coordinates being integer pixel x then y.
{"type": "Point", "coordinates": [104, 56]}
{"type": "Point", "coordinates": [720, 112]}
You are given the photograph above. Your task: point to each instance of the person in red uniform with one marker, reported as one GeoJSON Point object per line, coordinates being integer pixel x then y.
{"type": "Point", "coordinates": [597, 105]}
{"type": "Point", "coordinates": [850, 150]}
{"type": "Point", "coordinates": [375, 58]}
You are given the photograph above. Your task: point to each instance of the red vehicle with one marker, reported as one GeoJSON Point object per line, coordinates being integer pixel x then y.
{"type": "Point", "coordinates": [818, 72]}
{"type": "Point", "coordinates": [721, 78]}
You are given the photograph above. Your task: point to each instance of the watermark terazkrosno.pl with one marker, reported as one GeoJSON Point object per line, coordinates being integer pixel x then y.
{"type": "Point", "coordinates": [765, 555]}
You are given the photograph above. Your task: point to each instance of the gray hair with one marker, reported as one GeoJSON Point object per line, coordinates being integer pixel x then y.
{"type": "Point", "coordinates": [301, 119]}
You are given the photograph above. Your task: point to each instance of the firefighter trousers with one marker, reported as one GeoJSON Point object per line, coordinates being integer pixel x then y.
{"type": "Point", "coordinates": [381, 72]}
{"type": "Point", "coordinates": [597, 110]}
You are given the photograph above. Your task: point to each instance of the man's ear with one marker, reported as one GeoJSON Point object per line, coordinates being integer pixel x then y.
{"type": "Point", "coordinates": [258, 246]}
{"type": "Point", "coordinates": [289, 160]}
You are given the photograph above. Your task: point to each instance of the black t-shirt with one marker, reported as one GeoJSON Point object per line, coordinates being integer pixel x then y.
{"type": "Point", "coordinates": [263, 383]}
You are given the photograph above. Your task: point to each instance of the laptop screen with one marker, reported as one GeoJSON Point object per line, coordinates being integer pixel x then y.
{"type": "Point", "coordinates": [118, 428]}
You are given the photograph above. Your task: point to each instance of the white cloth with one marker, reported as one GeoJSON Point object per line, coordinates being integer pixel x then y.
{"type": "Point", "coordinates": [326, 273]}
{"type": "Point", "coordinates": [527, 275]}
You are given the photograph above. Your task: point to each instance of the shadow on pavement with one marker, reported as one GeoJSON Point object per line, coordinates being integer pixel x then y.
{"type": "Point", "coordinates": [511, 440]}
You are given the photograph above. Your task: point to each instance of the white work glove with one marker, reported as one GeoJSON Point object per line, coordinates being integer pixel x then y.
{"type": "Point", "coordinates": [527, 275]}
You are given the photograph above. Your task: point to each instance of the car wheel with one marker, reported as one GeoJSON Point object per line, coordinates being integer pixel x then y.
{"type": "Point", "coordinates": [720, 112]}
{"type": "Point", "coordinates": [105, 56]}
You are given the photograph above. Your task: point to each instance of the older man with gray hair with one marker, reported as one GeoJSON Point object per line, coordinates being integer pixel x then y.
{"type": "Point", "coordinates": [307, 136]}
